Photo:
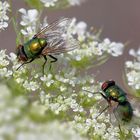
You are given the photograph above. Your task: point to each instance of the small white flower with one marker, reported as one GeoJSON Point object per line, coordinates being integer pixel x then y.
{"type": "Point", "coordinates": [3, 61]}
{"type": "Point", "coordinates": [19, 80]}
{"type": "Point", "coordinates": [28, 17]}
{"type": "Point", "coordinates": [100, 129]}
{"type": "Point", "coordinates": [78, 58]}
{"type": "Point", "coordinates": [29, 21]}
{"type": "Point", "coordinates": [133, 69]}
{"type": "Point", "coordinates": [4, 72]}
{"type": "Point", "coordinates": [113, 48]}
{"type": "Point", "coordinates": [133, 79]}
{"type": "Point", "coordinates": [136, 132]}
{"type": "Point", "coordinates": [62, 88]}
{"type": "Point", "coordinates": [12, 57]}
{"type": "Point", "coordinates": [96, 48]}
{"type": "Point", "coordinates": [78, 28]}
{"type": "Point", "coordinates": [31, 85]}
{"type": "Point", "coordinates": [29, 31]}
{"type": "Point", "coordinates": [4, 7]}
{"type": "Point", "coordinates": [129, 64]}
{"type": "Point", "coordinates": [49, 3]}
{"type": "Point", "coordinates": [137, 112]}
{"type": "Point", "coordinates": [134, 53]}
{"type": "Point", "coordinates": [116, 49]}
{"type": "Point", "coordinates": [47, 79]}
{"type": "Point", "coordinates": [43, 78]}
{"type": "Point", "coordinates": [75, 2]}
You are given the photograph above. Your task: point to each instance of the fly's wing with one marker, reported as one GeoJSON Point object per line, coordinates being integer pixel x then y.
{"type": "Point", "coordinates": [58, 38]}
{"type": "Point", "coordinates": [132, 108]}
{"type": "Point", "coordinates": [60, 25]}
{"type": "Point", "coordinates": [59, 44]}
{"type": "Point", "coordinates": [135, 101]}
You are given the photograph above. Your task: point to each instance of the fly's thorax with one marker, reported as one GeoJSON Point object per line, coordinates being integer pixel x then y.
{"type": "Point", "coordinates": [34, 47]}
{"type": "Point", "coordinates": [115, 93]}
{"type": "Point", "coordinates": [20, 53]}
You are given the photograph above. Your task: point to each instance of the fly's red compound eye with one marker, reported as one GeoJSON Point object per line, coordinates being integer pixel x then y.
{"type": "Point", "coordinates": [104, 86]}
{"type": "Point", "coordinates": [21, 54]}
{"type": "Point", "coordinates": [107, 84]}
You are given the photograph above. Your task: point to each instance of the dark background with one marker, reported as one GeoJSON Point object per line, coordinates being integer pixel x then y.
{"type": "Point", "coordinates": [120, 20]}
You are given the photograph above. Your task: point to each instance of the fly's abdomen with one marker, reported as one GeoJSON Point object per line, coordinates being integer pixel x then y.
{"type": "Point", "coordinates": [125, 111]}
{"type": "Point", "coordinates": [34, 47]}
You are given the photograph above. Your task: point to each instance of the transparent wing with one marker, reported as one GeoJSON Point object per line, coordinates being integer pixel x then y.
{"type": "Point", "coordinates": [59, 44]}
{"type": "Point", "coordinates": [59, 25]}
{"type": "Point", "coordinates": [58, 37]}
{"type": "Point", "coordinates": [135, 102]}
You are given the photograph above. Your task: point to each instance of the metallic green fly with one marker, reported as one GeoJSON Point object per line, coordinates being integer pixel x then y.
{"type": "Point", "coordinates": [112, 92]}
{"type": "Point", "coordinates": [51, 40]}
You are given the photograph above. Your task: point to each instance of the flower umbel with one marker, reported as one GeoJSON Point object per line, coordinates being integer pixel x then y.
{"type": "Point", "coordinates": [49, 3]}
{"type": "Point", "coordinates": [29, 21]}
{"type": "Point", "coordinates": [4, 7]}
{"type": "Point", "coordinates": [133, 70]}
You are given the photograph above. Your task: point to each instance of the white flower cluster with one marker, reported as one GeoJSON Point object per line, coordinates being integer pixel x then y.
{"type": "Point", "coordinates": [60, 93]}
{"type": "Point", "coordinates": [113, 48]}
{"type": "Point", "coordinates": [91, 45]}
{"type": "Point", "coordinates": [52, 3]}
{"type": "Point", "coordinates": [100, 127]}
{"type": "Point", "coordinates": [133, 70]}
{"type": "Point", "coordinates": [90, 48]}
{"type": "Point", "coordinates": [52, 131]}
{"type": "Point", "coordinates": [4, 7]}
{"type": "Point", "coordinates": [29, 21]}
{"type": "Point", "coordinates": [75, 2]}
{"type": "Point", "coordinates": [60, 103]}
{"type": "Point", "coordinates": [4, 62]}
{"type": "Point", "coordinates": [10, 108]}
{"type": "Point", "coordinates": [49, 3]}
{"type": "Point", "coordinates": [14, 107]}
{"type": "Point", "coordinates": [136, 132]}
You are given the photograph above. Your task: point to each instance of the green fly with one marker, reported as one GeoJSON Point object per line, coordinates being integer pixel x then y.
{"type": "Point", "coordinates": [51, 40]}
{"type": "Point", "coordinates": [112, 92]}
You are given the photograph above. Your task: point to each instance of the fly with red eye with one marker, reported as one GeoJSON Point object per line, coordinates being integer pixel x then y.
{"type": "Point", "coordinates": [51, 40]}
{"type": "Point", "coordinates": [112, 92]}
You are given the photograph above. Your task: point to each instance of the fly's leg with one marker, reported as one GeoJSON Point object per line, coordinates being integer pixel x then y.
{"type": "Point", "coordinates": [97, 93]}
{"type": "Point", "coordinates": [102, 111]}
{"type": "Point", "coordinates": [109, 102]}
{"type": "Point", "coordinates": [43, 66]}
{"type": "Point", "coordinates": [114, 110]}
{"type": "Point", "coordinates": [54, 60]}
{"type": "Point", "coordinates": [25, 63]}
{"type": "Point", "coordinates": [104, 98]}
{"type": "Point", "coordinates": [109, 105]}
